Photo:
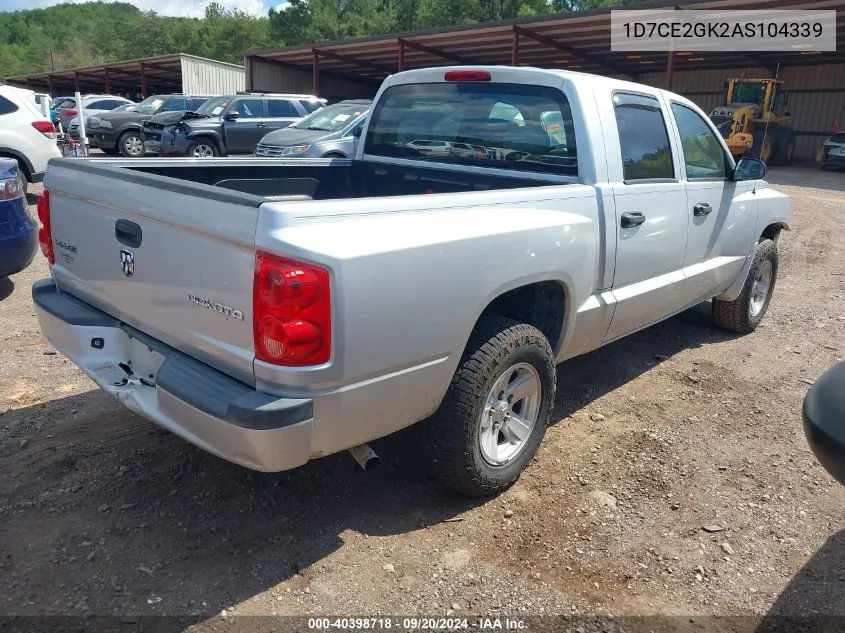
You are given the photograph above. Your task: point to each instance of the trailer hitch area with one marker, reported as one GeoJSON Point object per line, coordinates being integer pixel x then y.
{"type": "Point", "coordinates": [132, 379]}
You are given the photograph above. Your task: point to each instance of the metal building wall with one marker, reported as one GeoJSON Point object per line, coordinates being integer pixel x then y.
{"type": "Point", "coordinates": [816, 97]}
{"type": "Point", "coordinates": [204, 76]}
{"type": "Point", "coordinates": [269, 77]}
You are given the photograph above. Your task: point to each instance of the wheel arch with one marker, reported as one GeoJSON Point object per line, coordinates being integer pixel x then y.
{"type": "Point", "coordinates": [23, 161]}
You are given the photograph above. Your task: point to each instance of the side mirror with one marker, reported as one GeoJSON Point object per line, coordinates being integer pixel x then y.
{"type": "Point", "coordinates": [231, 116]}
{"type": "Point", "coordinates": [749, 169]}
{"type": "Point", "coordinates": [824, 421]}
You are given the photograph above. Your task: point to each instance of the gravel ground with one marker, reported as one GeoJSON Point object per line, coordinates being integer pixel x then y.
{"type": "Point", "coordinates": [677, 482]}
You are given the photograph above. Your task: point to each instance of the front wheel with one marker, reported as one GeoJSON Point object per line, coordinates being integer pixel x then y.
{"type": "Point", "coordinates": [131, 145]}
{"type": "Point", "coordinates": [495, 413]}
{"type": "Point", "coordinates": [203, 149]}
{"type": "Point", "coordinates": [744, 314]}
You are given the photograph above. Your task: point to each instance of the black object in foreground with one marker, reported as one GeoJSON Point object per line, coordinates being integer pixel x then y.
{"type": "Point", "coordinates": [824, 420]}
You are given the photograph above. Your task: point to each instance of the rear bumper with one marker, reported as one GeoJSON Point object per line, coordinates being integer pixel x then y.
{"type": "Point", "coordinates": [196, 402]}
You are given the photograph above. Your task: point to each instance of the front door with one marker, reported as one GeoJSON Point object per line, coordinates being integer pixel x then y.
{"type": "Point", "coordinates": [651, 222]}
{"type": "Point", "coordinates": [721, 213]}
{"type": "Point", "coordinates": [243, 133]}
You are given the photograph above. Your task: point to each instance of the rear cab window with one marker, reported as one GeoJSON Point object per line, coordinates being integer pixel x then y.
{"type": "Point", "coordinates": [507, 126]}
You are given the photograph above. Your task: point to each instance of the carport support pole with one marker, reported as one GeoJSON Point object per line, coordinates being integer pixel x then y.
{"type": "Point", "coordinates": [76, 81]}
{"type": "Point", "coordinates": [670, 65]}
{"type": "Point", "coordinates": [400, 65]}
{"type": "Point", "coordinates": [315, 72]}
{"type": "Point", "coordinates": [108, 83]}
{"type": "Point", "coordinates": [50, 86]}
{"type": "Point", "coordinates": [144, 94]}
{"type": "Point", "coordinates": [515, 47]}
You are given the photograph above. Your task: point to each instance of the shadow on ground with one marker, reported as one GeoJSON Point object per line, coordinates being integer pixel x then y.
{"type": "Point", "coordinates": [7, 287]}
{"type": "Point", "coordinates": [102, 513]}
{"type": "Point", "coordinates": [814, 600]}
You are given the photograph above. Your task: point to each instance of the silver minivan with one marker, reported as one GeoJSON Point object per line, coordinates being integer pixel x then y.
{"type": "Point", "coordinates": [327, 133]}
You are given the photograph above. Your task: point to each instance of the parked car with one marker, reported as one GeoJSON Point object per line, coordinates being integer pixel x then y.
{"type": "Point", "coordinates": [53, 102]}
{"type": "Point", "coordinates": [226, 125]}
{"type": "Point", "coordinates": [115, 132]}
{"type": "Point", "coordinates": [824, 420]}
{"type": "Point", "coordinates": [67, 109]}
{"type": "Point", "coordinates": [331, 132]}
{"type": "Point", "coordinates": [25, 134]}
{"type": "Point", "coordinates": [274, 311]}
{"type": "Point", "coordinates": [18, 229]}
{"type": "Point", "coordinates": [833, 152]}
{"type": "Point", "coordinates": [73, 127]}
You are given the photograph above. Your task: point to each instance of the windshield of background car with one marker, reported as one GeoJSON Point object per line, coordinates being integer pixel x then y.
{"type": "Point", "coordinates": [331, 118]}
{"type": "Point", "coordinates": [507, 126]}
{"type": "Point", "coordinates": [214, 106]}
{"type": "Point", "coordinates": [311, 105]}
{"type": "Point", "coordinates": [150, 105]}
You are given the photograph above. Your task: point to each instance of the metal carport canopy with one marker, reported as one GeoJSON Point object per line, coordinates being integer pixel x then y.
{"type": "Point", "coordinates": [151, 75]}
{"type": "Point", "coordinates": [576, 41]}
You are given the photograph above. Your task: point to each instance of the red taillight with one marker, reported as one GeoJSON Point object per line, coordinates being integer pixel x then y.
{"type": "Point", "coordinates": [291, 312]}
{"type": "Point", "coordinates": [71, 112]}
{"type": "Point", "coordinates": [45, 233]}
{"type": "Point", "coordinates": [467, 75]}
{"type": "Point", "coordinates": [46, 128]}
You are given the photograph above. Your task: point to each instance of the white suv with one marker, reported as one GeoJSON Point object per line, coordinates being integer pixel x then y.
{"type": "Point", "coordinates": [25, 133]}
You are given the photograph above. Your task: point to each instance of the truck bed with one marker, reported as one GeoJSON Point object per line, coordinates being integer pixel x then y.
{"type": "Point", "coordinates": [318, 179]}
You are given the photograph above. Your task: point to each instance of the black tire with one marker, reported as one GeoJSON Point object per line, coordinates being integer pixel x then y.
{"type": "Point", "coordinates": [454, 455]}
{"type": "Point", "coordinates": [738, 315]}
{"type": "Point", "coordinates": [784, 148]}
{"type": "Point", "coordinates": [202, 142]}
{"type": "Point", "coordinates": [127, 144]}
{"type": "Point", "coordinates": [756, 150]}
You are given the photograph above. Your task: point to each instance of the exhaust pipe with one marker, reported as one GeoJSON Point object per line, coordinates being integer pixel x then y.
{"type": "Point", "coordinates": [366, 457]}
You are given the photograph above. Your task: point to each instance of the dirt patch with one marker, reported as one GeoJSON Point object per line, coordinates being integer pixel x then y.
{"type": "Point", "coordinates": [677, 428]}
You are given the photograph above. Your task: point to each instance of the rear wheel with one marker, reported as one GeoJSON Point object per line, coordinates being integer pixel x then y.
{"type": "Point", "coordinates": [130, 144]}
{"type": "Point", "coordinates": [203, 148]}
{"type": "Point", "coordinates": [496, 410]}
{"type": "Point", "coordinates": [744, 314]}
{"type": "Point", "coordinates": [784, 148]}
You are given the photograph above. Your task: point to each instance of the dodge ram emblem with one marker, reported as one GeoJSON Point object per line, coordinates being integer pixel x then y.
{"type": "Point", "coordinates": [127, 263]}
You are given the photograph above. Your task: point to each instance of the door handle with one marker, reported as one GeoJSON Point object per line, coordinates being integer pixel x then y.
{"type": "Point", "coordinates": [631, 219]}
{"type": "Point", "coordinates": [128, 233]}
{"type": "Point", "coordinates": [260, 125]}
{"type": "Point", "coordinates": [702, 208]}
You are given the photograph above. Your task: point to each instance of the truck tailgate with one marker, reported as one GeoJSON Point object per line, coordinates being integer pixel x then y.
{"type": "Point", "coordinates": [173, 259]}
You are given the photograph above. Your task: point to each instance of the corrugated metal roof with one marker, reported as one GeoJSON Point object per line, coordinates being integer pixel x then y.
{"type": "Point", "coordinates": [576, 41]}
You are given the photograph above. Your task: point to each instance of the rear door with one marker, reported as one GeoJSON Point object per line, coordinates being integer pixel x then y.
{"type": "Point", "coordinates": [243, 133]}
{"type": "Point", "coordinates": [651, 219]}
{"type": "Point", "coordinates": [721, 213]}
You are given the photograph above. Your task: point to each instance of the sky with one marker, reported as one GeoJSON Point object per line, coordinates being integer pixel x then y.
{"type": "Point", "coordinates": [181, 8]}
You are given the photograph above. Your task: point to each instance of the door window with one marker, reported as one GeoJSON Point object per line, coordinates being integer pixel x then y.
{"type": "Point", "coordinates": [703, 153]}
{"type": "Point", "coordinates": [249, 108]}
{"type": "Point", "coordinates": [646, 154]}
{"type": "Point", "coordinates": [281, 109]}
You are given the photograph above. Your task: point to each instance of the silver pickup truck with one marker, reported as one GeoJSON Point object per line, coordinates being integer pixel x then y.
{"type": "Point", "coordinates": [275, 311]}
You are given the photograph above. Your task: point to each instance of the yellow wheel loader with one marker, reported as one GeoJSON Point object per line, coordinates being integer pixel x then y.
{"type": "Point", "coordinates": [754, 122]}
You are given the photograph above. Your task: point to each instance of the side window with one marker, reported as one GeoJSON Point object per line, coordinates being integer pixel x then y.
{"type": "Point", "coordinates": [281, 109]}
{"type": "Point", "coordinates": [102, 104]}
{"type": "Point", "coordinates": [646, 153]}
{"type": "Point", "coordinates": [248, 108]}
{"type": "Point", "coordinates": [174, 105]}
{"type": "Point", "coordinates": [309, 106]}
{"type": "Point", "coordinates": [6, 106]}
{"type": "Point", "coordinates": [703, 153]}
